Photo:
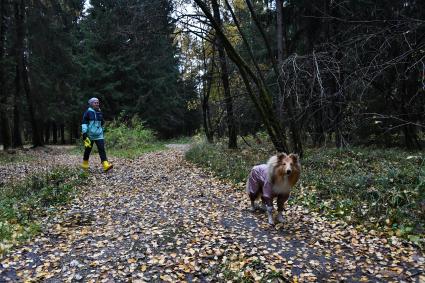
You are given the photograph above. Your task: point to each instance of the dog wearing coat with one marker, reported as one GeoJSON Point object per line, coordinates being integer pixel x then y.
{"type": "Point", "coordinates": [273, 180]}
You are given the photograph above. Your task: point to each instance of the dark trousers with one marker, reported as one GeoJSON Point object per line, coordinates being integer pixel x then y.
{"type": "Point", "coordinates": [100, 147]}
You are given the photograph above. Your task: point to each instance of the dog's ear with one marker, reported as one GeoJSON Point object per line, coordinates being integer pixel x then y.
{"type": "Point", "coordinates": [280, 156]}
{"type": "Point", "coordinates": [294, 157]}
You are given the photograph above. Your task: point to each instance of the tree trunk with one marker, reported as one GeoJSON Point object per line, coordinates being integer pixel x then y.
{"type": "Point", "coordinates": [261, 102]}
{"type": "Point", "coordinates": [411, 139]}
{"type": "Point", "coordinates": [76, 131]}
{"type": "Point", "coordinates": [207, 121]}
{"type": "Point", "coordinates": [6, 137]}
{"type": "Point", "coordinates": [55, 132]}
{"type": "Point", "coordinates": [319, 132]}
{"type": "Point", "coordinates": [47, 132]}
{"type": "Point", "coordinates": [206, 112]}
{"type": "Point", "coordinates": [207, 82]}
{"type": "Point", "coordinates": [231, 127]}
{"type": "Point", "coordinates": [22, 63]}
{"type": "Point", "coordinates": [4, 119]}
{"type": "Point", "coordinates": [71, 131]}
{"type": "Point", "coordinates": [17, 137]}
{"type": "Point", "coordinates": [279, 39]}
{"type": "Point", "coordinates": [62, 130]}
{"type": "Point", "coordinates": [288, 102]}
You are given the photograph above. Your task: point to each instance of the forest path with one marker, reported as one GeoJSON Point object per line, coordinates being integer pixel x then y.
{"type": "Point", "coordinates": [158, 218]}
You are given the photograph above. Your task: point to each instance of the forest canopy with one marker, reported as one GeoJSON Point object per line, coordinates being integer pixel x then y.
{"type": "Point", "coordinates": [304, 72]}
{"type": "Point", "coordinates": [58, 54]}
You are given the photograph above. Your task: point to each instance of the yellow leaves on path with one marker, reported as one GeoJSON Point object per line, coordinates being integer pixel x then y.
{"type": "Point", "coordinates": [159, 219]}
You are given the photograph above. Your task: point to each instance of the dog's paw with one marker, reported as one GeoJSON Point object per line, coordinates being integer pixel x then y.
{"type": "Point", "coordinates": [280, 218]}
{"type": "Point", "coordinates": [271, 221]}
{"type": "Point", "coordinates": [262, 208]}
{"type": "Point", "coordinates": [257, 208]}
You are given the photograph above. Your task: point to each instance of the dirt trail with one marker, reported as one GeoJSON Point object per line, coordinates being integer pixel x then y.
{"type": "Point", "coordinates": [159, 218]}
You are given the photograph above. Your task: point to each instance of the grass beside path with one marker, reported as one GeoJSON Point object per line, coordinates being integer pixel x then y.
{"type": "Point", "coordinates": [159, 218]}
{"type": "Point", "coordinates": [14, 156]}
{"type": "Point", "coordinates": [23, 204]}
{"type": "Point", "coordinates": [130, 140]}
{"type": "Point", "coordinates": [374, 189]}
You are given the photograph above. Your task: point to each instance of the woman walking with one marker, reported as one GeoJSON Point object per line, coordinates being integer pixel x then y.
{"type": "Point", "coordinates": [92, 129]}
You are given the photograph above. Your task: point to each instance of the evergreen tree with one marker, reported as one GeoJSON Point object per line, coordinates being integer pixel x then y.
{"type": "Point", "coordinates": [130, 61]}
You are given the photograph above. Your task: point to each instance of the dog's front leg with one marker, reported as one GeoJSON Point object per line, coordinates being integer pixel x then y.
{"type": "Point", "coordinates": [253, 197]}
{"type": "Point", "coordinates": [281, 199]}
{"type": "Point", "coordinates": [253, 206]}
{"type": "Point", "coordinates": [280, 218]}
{"type": "Point", "coordinates": [270, 214]}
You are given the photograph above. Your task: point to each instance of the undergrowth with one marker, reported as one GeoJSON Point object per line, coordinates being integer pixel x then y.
{"type": "Point", "coordinates": [130, 139]}
{"type": "Point", "coordinates": [14, 156]}
{"type": "Point", "coordinates": [374, 189]}
{"type": "Point", "coordinates": [23, 204]}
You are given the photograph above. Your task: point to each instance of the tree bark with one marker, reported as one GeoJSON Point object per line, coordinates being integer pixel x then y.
{"type": "Point", "coordinates": [55, 132]}
{"type": "Point", "coordinates": [71, 131]}
{"type": "Point", "coordinates": [411, 139]}
{"type": "Point", "coordinates": [62, 131]}
{"type": "Point", "coordinates": [288, 102]}
{"type": "Point", "coordinates": [279, 31]}
{"type": "Point", "coordinates": [245, 40]}
{"type": "Point", "coordinates": [4, 119]}
{"type": "Point", "coordinates": [17, 137]}
{"type": "Point", "coordinates": [47, 132]}
{"type": "Point", "coordinates": [263, 102]}
{"type": "Point", "coordinates": [231, 126]}
{"type": "Point", "coordinates": [75, 131]}
{"type": "Point", "coordinates": [22, 63]}
{"type": "Point", "coordinates": [207, 82]}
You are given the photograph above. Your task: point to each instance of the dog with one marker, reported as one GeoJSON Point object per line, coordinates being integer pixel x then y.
{"type": "Point", "coordinates": [273, 180]}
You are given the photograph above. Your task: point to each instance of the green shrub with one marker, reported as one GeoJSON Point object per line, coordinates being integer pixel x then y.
{"type": "Point", "coordinates": [130, 134]}
{"type": "Point", "coordinates": [130, 139]}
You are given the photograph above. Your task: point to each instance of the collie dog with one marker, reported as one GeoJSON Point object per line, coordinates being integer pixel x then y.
{"type": "Point", "coordinates": [273, 180]}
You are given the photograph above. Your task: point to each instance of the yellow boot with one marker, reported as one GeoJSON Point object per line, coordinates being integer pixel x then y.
{"type": "Point", "coordinates": [106, 166]}
{"type": "Point", "coordinates": [85, 164]}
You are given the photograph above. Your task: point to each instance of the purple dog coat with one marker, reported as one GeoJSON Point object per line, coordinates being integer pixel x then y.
{"type": "Point", "coordinates": [258, 183]}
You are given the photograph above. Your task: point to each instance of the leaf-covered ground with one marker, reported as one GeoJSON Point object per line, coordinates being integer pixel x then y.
{"type": "Point", "coordinates": [19, 164]}
{"type": "Point", "coordinates": [159, 218]}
